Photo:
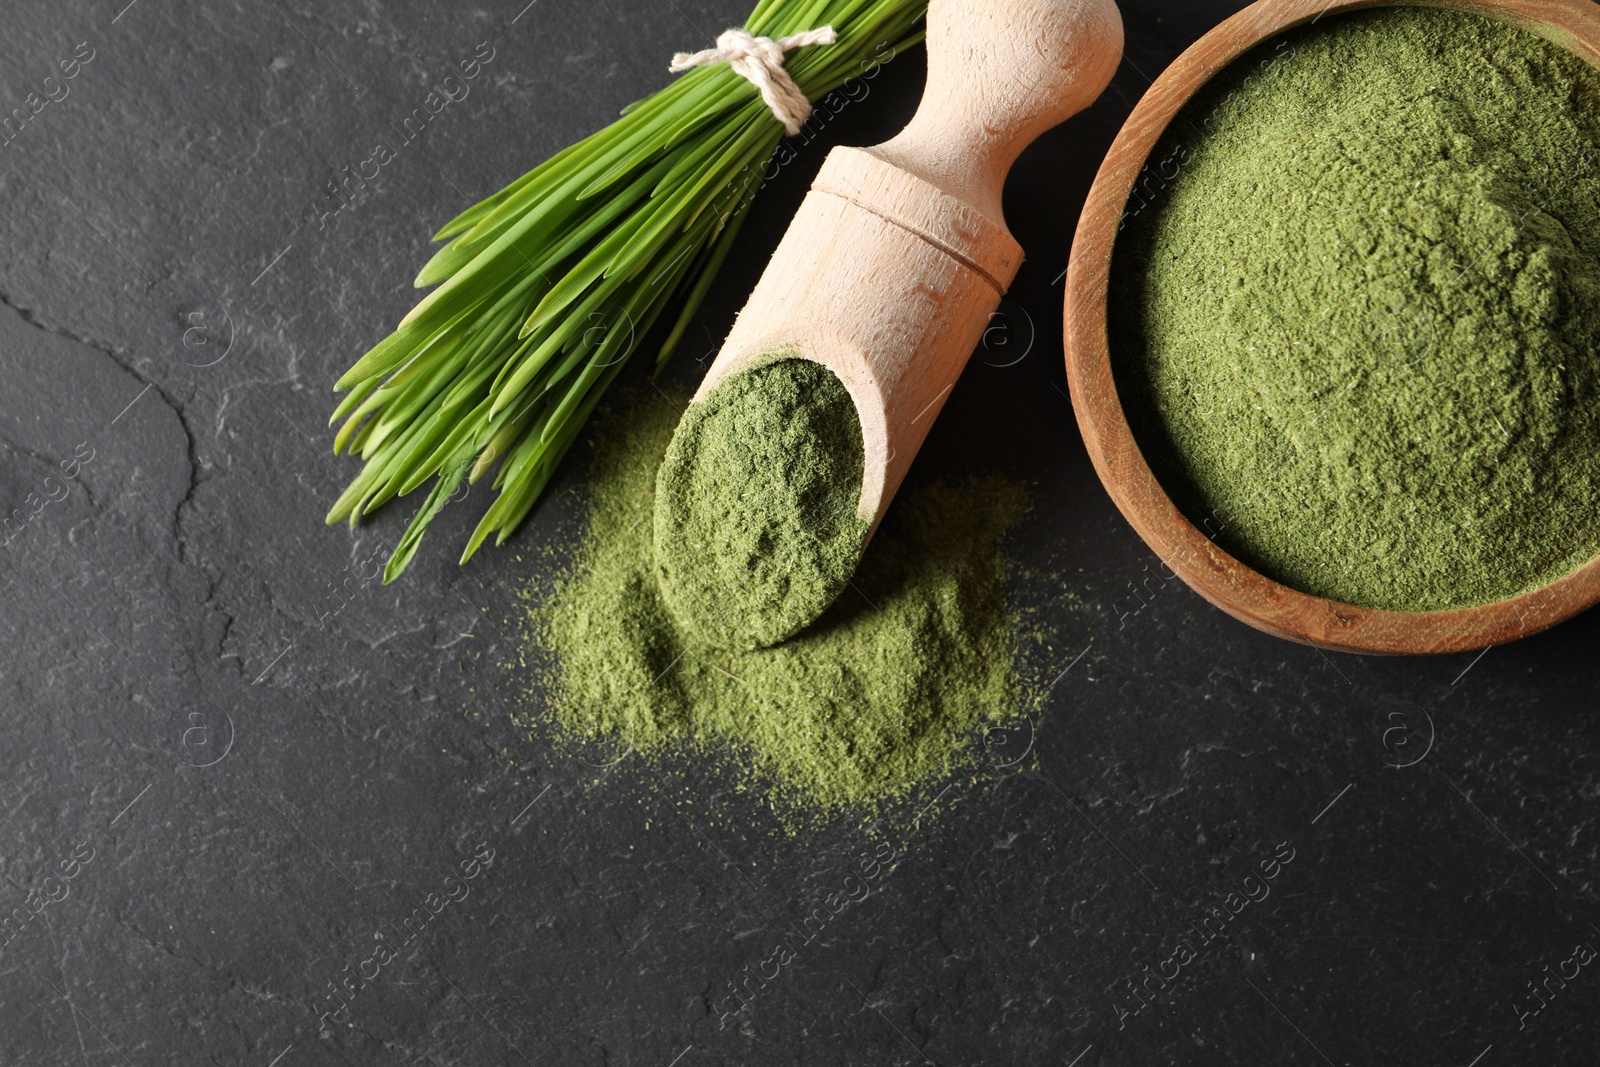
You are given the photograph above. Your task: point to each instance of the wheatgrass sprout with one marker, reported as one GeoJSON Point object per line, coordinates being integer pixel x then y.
{"type": "Point", "coordinates": [546, 288]}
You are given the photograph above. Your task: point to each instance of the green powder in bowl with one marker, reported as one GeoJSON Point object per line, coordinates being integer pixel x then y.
{"type": "Point", "coordinates": [756, 524]}
{"type": "Point", "coordinates": [1355, 310]}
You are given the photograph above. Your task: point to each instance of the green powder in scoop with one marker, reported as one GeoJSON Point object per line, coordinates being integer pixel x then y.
{"type": "Point", "coordinates": [1355, 310]}
{"type": "Point", "coordinates": [885, 693]}
{"type": "Point", "coordinates": [756, 524]}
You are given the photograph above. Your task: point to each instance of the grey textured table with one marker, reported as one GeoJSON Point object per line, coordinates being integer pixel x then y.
{"type": "Point", "coordinates": [233, 768]}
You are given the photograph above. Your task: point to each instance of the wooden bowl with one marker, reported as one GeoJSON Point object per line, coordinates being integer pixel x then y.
{"type": "Point", "coordinates": [1185, 549]}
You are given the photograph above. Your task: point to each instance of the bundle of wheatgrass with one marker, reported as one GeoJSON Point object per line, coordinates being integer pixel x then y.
{"type": "Point", "coordinates": [546, 287]}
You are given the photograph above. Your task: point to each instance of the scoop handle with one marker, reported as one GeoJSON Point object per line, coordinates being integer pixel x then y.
{"type": "Point", "coordinates": [899, 256]}
{"type": "Point", "coordinates": [1000, 73]}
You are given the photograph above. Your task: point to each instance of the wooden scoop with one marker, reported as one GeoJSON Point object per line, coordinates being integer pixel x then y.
{"type": "Point", "coordinates": [899, 256]}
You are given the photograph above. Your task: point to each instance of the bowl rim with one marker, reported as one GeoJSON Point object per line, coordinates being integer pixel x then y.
{"type": "Point", "coordinates": [1185, 551]}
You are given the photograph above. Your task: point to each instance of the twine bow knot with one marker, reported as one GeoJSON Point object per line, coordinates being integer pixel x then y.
{"type": "Point", "coordinates": [759, 60]}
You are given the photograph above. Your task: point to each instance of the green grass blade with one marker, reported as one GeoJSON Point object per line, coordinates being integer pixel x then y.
{"type": "Point", "coordinates": [502, 363]}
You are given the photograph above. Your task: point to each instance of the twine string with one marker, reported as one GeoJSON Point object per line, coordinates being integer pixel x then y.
{"type": "Point", "coordinates": [759, 60]}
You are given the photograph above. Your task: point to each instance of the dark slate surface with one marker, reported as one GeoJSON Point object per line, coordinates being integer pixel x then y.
{"type": "Point", "coordinates": [234, 766]}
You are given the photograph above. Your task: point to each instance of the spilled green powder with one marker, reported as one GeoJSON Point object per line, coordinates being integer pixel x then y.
{"type": "Point", "coordinates": [885, 693]}
{"type": "Point", "coordinates": [1356, 310]}
{"type": "Point", "coordinates": [756, 525]}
